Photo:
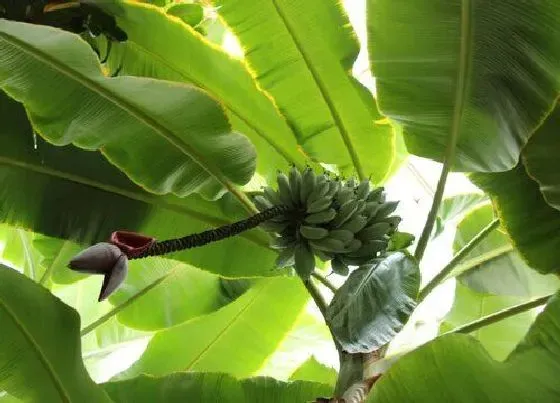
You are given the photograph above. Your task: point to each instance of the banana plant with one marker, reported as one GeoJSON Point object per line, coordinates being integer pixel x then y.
{"type": "Point", "coordinates": [214, 193]}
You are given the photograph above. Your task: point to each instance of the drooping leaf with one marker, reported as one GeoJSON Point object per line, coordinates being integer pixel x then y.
{"type": "Point", "coordinates": [40, 345]}
{"type": "Point", "coordinates": [454, 207]}
{"type": "Point", "coordinates": [314, 371]}
{"type": "Point", "coordinates": [212, 387]}
{"type": "Point", "coordinates": [500, 338]}
{"type": "Point", "coordinates": [172, 50]}
{"type": "Point", "coordinates": [529, 221]}
{"type": "Point", "coordinates": [160, 293]}
{"type": "Point", "coordinates": [456, 368]}
{"type": "Point", "coordinates": [374, 303]}
{"type": "Point", "coordinates": [180, 125]}
{"type": "Point", "coordinates": [303, 55]}
{"type": "Point", "coordinates": [485, 72]}
{"type": "Point", "coordinates": [539, 158]}
{"type": "Point", "coordinates": [236, 340]}
{"type": "Point", "coordinates": [504, 272]}
{"type": "Point", "coordinates": [68, 193]}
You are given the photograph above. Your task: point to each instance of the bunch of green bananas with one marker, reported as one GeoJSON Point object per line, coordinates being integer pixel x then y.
{"type": "Point", "coordinates": [345, 222]}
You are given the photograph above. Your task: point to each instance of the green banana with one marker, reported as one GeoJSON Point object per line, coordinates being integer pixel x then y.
{"type": "Point", "coordinates": [355, 224]}
{"type": "Point", "coordinates": [342, 235]}
{"type": "Point", "coordinates": [324, 256]}
{"type": "Point", "coordinates": [262, 203]}
{"type": "Point", "coordinates": [313, 232]}
{"type": "Point", "coordinates": [346, 211]}
{"type": "Point", "coordinates": [353, 245]}
{"type": "Point", "coordinates": [271, 195]}
{"type": "Point", "coordinates": [319, 205]}
{"type": "Point", "coordinates": [375, 194]}
{"type": "Point", "coordinates": [373, 232]}
{"type": "Point", "coordinates": [344, 195]}
{"type": "Point", "coordinates": [393, 221]}
{"type": "Point", "coordinates": [304, 260]}
{"type": "Point", "coordinates": [334, 187]}
{"type": "Point", "coordinates": [328, 245]}
{"type": "Point", "coordinates": [285, 258]}
{"type": "Point", "coordinates": [295, 181]}
{"type": "Point", "coordinates": [371, 209]}
{"type": "Point", "coordinates": [339, 267]}
{"type": "Point", "coordinates": [321, 217]}
{"type": "Point", "coordinates": [386, 209]}
{"type": "Point", "coordinates": [357, 261]}
{"type": "Point", "coordinates": [369, 249]}
{"type": "Point", "coordinates": [318, 193]}
{"type": "Point", "coordinates": [272, 226]}
{"type": "Point", "coordinates": [284, 190]}
{"type": "Point", "coordinates": [280, 242]}
{"type": "Point", "coordinates": [351, 183]}
{"type": "Point", "coordinates": [307, 185]}
{"type": "Point", "coordinates": [363, 189]}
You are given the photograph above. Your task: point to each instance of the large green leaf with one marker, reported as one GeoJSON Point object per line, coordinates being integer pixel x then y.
{"type": "Point", "coordinates": [484, 73]}
{"type": "Point", "coordinates": [69, 193]}
{"type": "Point", "coordinates": [455, 368]}
{"type": "Point", "coordinates": [40, 345]}
{"type": "Point", "coordinates": [503, 272]}
{"type": "Point", "coordinates": [236, 340]}
{"type": "Point", "coordinates": [302, 53]}
{"type": "Point", "coordinates": [212, 387]}
{"type": "Point", "coordinates": [540, 158]}
{"type": "Point", "coordinates": [499, 338]}
{"type": "Point", "coordinates": [374, 303]}
{"type": "Point", "coordinates": [180, 292]}
{"type": "Point", "coordinates": [162, 47]}
{"type": "Point", "coordinates": [130, 120]}
{"type": "Point", "coordinates": [529, 221]}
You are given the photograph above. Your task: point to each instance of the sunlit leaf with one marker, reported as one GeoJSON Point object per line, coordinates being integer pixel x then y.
{"type": "Point", "coordinates": [131, 120]}
{"type": "Point", "coordinates": [302, 54]}
{"type": "Point", "coordinates": [454, 207]}
{"type": "Point", "coordinates": [220, 341]}
{"type": "Point", "coordinates": [313, 370]}
{"type": "Point", "coordinates": [456, 368]}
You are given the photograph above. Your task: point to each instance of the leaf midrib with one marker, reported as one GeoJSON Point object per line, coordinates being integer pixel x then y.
{"type": "Point", "coordinates": [225, 329]}
{"type": "Point", "coordinates": [131, 109]}
{"type": "Point", "coordinates": [324, 93]}
{"type": "Point", "coordinates": [37, 349]}
{"type": "Point", "coordinates": [190, 78]}
{"type": "Point", "coordinates": [125, 193]}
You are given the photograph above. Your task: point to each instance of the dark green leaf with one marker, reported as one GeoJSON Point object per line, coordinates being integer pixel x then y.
{"type": "Point", "coordinates": [40, 345]}
{"type": "Point", "coordinates": [180, 125]}
{"type": "Point", "coordinates": [303, 55]}
{"type": "Point", "coordinates": [540, 158]}
{"type": "Point", "coordinates": [212, 387]}
{"type": "Point", "coordinates": [374, 303]}
{"type": "Point", "coordinates": [236, 340]}
{"type": "Point", "coordinates": [72, 194]}
{"type": "Point", "coordinates": [486, 72]}
{"type": "Point", "coordinates": [455, 368]}
{"type": "Point", "coordinates": [529, 221]}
